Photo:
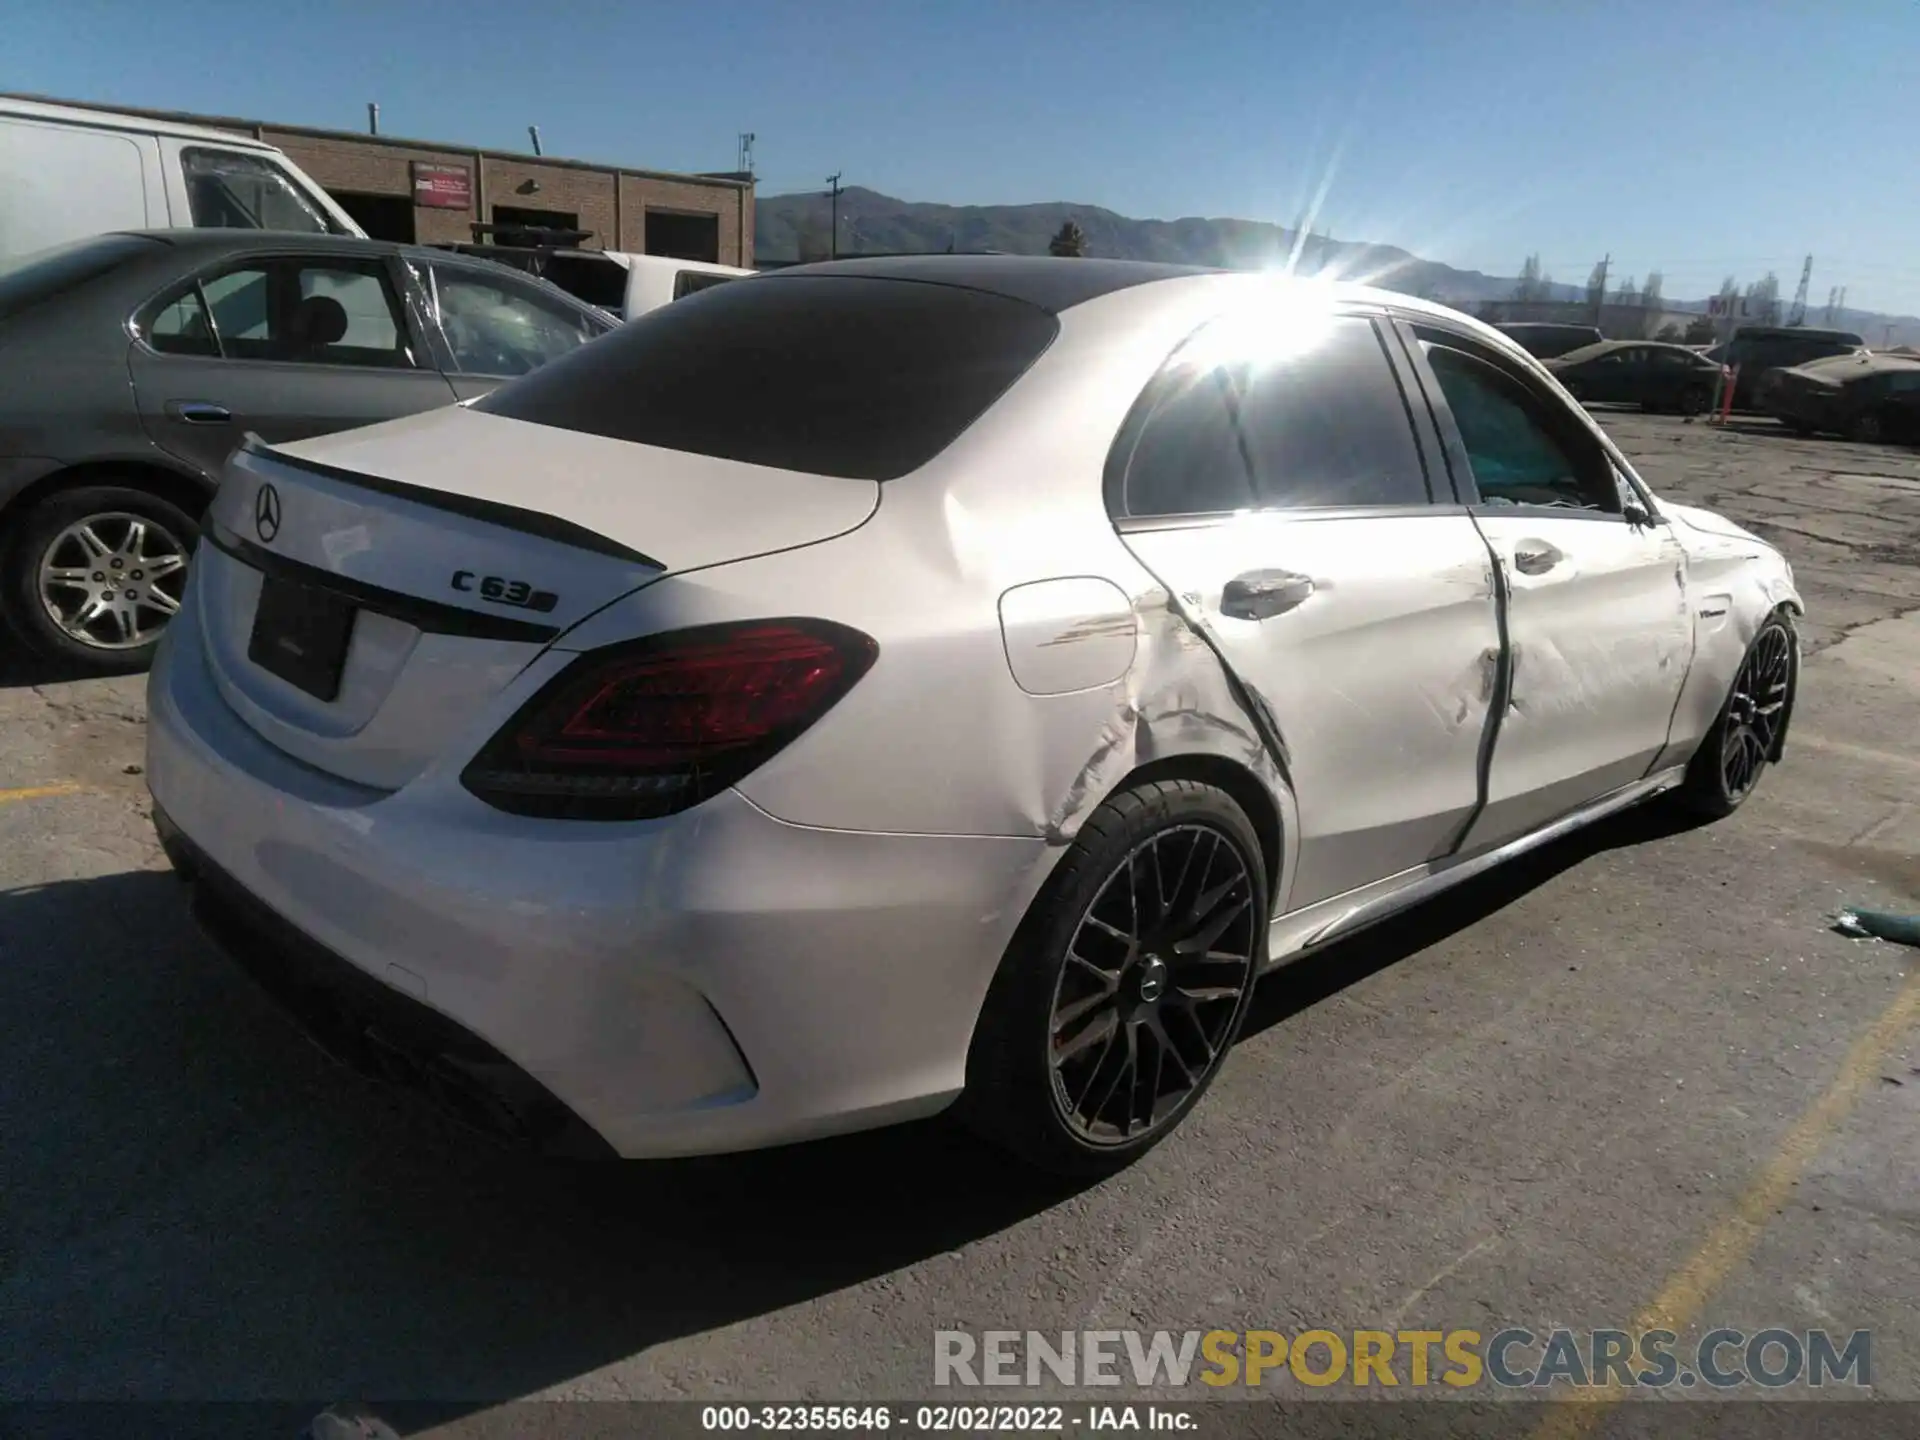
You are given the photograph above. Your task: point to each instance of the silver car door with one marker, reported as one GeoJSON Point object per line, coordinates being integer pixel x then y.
{"type": "Point", "coordinates": [1598, 625]}
{"type": "Point", "coordinates": [1272, 479]}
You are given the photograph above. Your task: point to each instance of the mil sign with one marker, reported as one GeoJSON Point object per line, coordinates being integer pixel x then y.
{"type": "Point", "coordinates": [442, 187]}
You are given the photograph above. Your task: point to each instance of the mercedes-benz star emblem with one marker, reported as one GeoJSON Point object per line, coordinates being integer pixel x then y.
{"type": "Point", "coordinates": [266, 512]}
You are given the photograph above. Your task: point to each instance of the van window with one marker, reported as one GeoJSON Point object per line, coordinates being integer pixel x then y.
{"type": "Point", "coordinates": [231, 190]}
{"type": "Point", "coordinates": [47, 273]}
{"type": "Point", "coordinates": [691, 282]}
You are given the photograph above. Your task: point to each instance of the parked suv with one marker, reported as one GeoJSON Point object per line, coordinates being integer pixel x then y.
{"type": "Point", "coordinates": [1755, 350]}
{"type": "Point", "coordinates": [137, 361]}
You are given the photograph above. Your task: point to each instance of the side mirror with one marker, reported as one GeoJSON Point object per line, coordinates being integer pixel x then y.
{"type": "Point", "coordinates": [1637, 515]}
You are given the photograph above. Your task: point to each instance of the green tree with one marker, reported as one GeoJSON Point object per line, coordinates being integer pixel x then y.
{"type": "Point", "coordinates": [1597, 285]}
{"type": "Point", "coordinates": [1534, 283]}
{"type": "Point", "coordinates": [1069, 240]}
{"type": "Point", "coordinates": [1650, 292]}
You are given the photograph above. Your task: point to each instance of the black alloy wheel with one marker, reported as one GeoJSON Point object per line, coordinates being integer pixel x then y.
{"type": "Point", "coordinates": [1154, 979]}
{"type": "Point", "coordinates": [1121, 996]}
{"type": "Point", "coordinates": [1867, 428]}
{"type": "Point", "coordinates": [1744, 740]}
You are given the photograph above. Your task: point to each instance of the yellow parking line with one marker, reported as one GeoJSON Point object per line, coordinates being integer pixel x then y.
{"type": "Point", "coordinates": [1734, 1238]}
{"type": "Point", "coordinates": [40, 792]}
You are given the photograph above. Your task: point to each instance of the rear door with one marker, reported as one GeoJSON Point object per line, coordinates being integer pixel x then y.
{"type": "Point", "coordinates": [1273, 480]}
{"type": "Point", "coordinates": [285, 346]}
{"type": "Point", "coordinates": [495, 325]}
{"type": "Point", "coordinates": [1599, 633]}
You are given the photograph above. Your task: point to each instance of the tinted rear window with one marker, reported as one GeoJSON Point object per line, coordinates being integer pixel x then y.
{"type": "Point", "coordinates": [854, 377]}
{"type": "Point", "coordinates": [47, 273]}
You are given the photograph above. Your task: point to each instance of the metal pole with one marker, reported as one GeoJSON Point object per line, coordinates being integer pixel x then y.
{"type": "Point", "coordinates": [833, 239]}
{"type": "Point", "coordinates": [373, 118]}
{"type": "Point", "coordinates": [533, 134]}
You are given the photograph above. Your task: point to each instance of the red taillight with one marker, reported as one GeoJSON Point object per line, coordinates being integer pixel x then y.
{"type": "Point", "coordinates": [653, 728]}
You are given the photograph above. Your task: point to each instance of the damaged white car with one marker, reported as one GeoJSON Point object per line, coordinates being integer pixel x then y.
{"type": "Point", "coordinates": [928, 682]}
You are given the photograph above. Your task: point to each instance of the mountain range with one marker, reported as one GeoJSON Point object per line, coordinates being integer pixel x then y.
{"type": "Point", "coordinates": [796, 226]}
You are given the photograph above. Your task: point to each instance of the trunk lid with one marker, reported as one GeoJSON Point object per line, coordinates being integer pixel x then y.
{"type": "Point", "coordinates": [364, 596]}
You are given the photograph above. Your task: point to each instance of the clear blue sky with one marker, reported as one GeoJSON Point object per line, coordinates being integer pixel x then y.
{"type": "Point", "coordinates": [1700, 137]}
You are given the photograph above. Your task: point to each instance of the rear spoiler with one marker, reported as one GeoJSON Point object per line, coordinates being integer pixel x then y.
{"type": "Point", "coordinates": [507, 517]}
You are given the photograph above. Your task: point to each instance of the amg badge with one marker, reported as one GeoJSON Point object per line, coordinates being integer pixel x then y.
{"type": "Point", "coordinates": [505, 592]}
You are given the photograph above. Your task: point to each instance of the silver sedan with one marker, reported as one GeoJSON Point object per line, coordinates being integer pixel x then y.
{"type": "Point", "coordinates": [921, 683]}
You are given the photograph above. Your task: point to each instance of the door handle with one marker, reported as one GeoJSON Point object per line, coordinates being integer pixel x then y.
{"type": "Point", "coordinates": [1262, 594]}
{"type": "Point", "coordinates": [1535, 557]}
{"type": "Point", "coordinates": [199, 412]}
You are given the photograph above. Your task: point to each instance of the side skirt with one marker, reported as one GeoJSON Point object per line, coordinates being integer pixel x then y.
{"type": "Point", "coordinates": [1294, 935]}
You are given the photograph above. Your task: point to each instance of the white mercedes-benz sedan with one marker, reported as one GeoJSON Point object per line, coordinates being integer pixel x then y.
{"type": "Point", "coordinates": [920, 683]}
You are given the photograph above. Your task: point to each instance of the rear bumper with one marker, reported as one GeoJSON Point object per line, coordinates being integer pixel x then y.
{"type": "Point", "coordinates": [718, 981]}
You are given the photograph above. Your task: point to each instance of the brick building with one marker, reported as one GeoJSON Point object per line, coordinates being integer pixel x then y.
{"type": "Point", "coordinates": [423, 192]}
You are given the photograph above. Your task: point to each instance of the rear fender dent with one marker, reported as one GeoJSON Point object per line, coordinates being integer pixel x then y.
{"type": "Point", "coordinates": [1178, 702]}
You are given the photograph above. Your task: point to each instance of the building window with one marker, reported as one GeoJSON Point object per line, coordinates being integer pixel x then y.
{"type": "Point", "coordinates": [383, 217]}
{"type": "Point", "coordinates": [683, 237]}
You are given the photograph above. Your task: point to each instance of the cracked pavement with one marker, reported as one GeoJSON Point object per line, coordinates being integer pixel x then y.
{"type": "Point", "coordinates": [1537, 1101]}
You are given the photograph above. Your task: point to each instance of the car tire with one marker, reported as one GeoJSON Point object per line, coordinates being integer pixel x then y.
{"type": "Point", "coordinates": [125, 525]}
{"type": "Point", "coordinates": [1748, 733]}
{"type": "Point", "coordinates": [1093, 993]}
{"type": "Point", "coordinates": [1694, 401]}
{"type": "Point", "coordinates": [1866, 428]}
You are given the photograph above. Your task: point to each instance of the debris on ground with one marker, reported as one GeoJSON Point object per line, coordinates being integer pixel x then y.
{"type": "Point", "coordinates": [1878, 925]}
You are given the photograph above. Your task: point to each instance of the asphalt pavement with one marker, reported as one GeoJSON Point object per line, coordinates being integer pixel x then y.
{"type": "Point", "coordinates": [1632, 1081]}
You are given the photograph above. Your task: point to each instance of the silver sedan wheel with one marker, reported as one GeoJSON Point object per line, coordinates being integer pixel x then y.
{"type": "Point", "coordinates": [112, 581]}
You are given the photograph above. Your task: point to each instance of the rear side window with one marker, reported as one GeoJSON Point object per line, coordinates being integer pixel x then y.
{"type": "Point", "coordinates": [47, 273]}
{"type": "Point", "coordinates": [855, 377]}
{"type": "Point", "coordinates": [309, 312]}
{"type": "Point", "coordinates": [1276, 428]}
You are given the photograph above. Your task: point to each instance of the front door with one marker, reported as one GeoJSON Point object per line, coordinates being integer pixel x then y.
{"type": "Point", "coordinates": [1275, 485]}
{"type": "Point", "coordinates": [1598, 629]}
{"type": "Point", "coordinates": [287, 347]}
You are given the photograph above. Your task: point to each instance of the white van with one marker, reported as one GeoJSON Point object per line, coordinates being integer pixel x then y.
{"type": "Point", "coordinates": [623, 284]}
{"type": "Point", "coordinates": [67, 172]}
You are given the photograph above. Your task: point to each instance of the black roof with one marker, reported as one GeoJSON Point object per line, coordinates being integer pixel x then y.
{"type": "Point", "coordinates": [1051, 283]}
{"type": "Point", "coordinates": [212, 240]}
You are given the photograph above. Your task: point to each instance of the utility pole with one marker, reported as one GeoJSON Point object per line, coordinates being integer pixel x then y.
{"type": "Point", "coordinates": [1833, 303]}
{"type": "Point", "coordinates": [1600, 291]}
{"type": "Point", "coordinates": [1798, 314]}
{"type": "Point", "coordinates": [833, 240]}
